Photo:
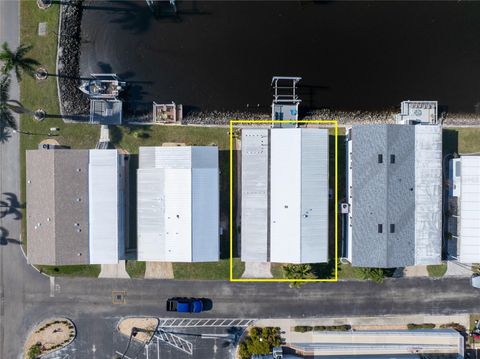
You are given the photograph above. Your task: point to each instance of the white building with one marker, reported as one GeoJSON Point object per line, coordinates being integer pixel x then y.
{"type": "Point", "coordinates": [285, 195]}
{"type": "Point", "coordinates": [178, 204]}
{"type": "Point", "coordinates": [465, 186]}
{"type": "Point", "coordinates": [418, 112]}
{"type": "Point", "coordinates": [75, 206]}
{"type": "Point", "coordinates": [394, 194]}
{"type": "Point", "coordinates": [428, 343]}
{"type": "Point", "coordinates": [106, 206]}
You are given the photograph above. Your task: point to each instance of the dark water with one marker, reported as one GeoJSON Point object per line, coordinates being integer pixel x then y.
{"type": "Point", "coordinates": [222, 55]}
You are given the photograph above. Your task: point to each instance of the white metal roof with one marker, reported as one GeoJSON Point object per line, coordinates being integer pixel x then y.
{"type": "Point", "coordinates": [104, 221]}
{"type": "Point", "coordinates": [299, 195]}
{"type": "Point", "coordinates": [254, 195]}
{"type": "Point", "coordinates": [469, 251]}
{"type": "Point", "coordinates": [285, 195]}
{"type": "Point", "coordinates": [178, 204]}
{"type": "Point", "coordinates": [428, 194]}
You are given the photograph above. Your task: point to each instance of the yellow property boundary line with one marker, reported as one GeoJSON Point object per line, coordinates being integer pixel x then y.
{"type": "Point", "coordinates": [232, 123]}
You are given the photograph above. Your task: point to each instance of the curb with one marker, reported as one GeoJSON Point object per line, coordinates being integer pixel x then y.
{"type": "Point", "coordinates": [26, 260]}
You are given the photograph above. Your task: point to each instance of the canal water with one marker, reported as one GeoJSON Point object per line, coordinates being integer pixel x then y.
{"type": "Point", "coordinates": [351, 55]}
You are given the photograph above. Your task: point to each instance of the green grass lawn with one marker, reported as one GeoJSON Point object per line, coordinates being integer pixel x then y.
{"type": "Point", "coordinates": [209, 271]}
{"type": "Point", "coordinates": [71, 271]}
{"type": "Point", "coordinates": [136, 269]}
{"type": "Point", "coordinates": [347, 272]}
{"type": "Point", "coordinates": [461, 140]}
{"type": "Point", "coordinates": [468, 140]}
{"type": "Point", "coordinates": [437, 271]}
{"type": "Point", "coordinates": [277, 270]}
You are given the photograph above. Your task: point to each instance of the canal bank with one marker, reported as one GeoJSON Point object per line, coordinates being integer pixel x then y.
{"type": "Point", "coordinates": [365, 56]}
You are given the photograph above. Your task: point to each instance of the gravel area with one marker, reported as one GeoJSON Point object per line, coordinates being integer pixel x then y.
{"type": "Point", "coordinates": [343, 117]}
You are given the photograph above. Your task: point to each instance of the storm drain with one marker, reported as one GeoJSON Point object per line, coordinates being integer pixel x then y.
{"type": "Point", "coordinates": [119, 297]}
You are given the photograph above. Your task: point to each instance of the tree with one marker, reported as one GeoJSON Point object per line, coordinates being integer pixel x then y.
{"type": "Point", "coordinates": [17, 60]}
{"type": "Point", "coordinates": [375, 274]}
{"type": "Point", "coordinates": [6, 116]}
{"type": "Point", "coordinates": [260, 341]}
{"type": "Point", "coordinates": [298, 271]}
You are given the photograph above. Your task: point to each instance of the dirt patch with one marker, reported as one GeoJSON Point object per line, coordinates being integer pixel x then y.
{"type": "Point", "coordinates": [173, 144]}
{"type": "Point", "coordinates": [48, 336]}
{"type": "Point", "coordinates": [146, 325]}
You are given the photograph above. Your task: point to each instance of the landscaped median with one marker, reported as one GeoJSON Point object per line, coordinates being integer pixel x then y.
{"type": "Point", "coordinates": [49, 336]}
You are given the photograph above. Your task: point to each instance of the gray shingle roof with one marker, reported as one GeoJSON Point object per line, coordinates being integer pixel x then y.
{"type": "Point", "coordinates": [383, 194]}
{"type": "Point", "coordinates": [57, 206]}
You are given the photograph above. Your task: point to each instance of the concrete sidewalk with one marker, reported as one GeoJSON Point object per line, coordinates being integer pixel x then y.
{"type": "Point", "coordinates": [114, 271]}
{"type": "Point", "coordinates": [359, 323]}
{"type": "Point", "coordinates": [257, 270]}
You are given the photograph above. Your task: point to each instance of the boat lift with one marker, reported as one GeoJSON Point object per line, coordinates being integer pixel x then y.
{"type": "Point", "coordinates": [103, 91]}
{"type": "Point", "coordinates": [285, 101]}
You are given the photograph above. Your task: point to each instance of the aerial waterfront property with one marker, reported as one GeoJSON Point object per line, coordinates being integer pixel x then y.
{"type": "Point", "coordinates": [339, 218]}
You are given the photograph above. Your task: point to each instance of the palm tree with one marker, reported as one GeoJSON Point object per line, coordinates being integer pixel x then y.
{"type": "Point", "coordinates": [375, 274]}
{"type": "Point", "coordinates": [6, 116]}
{"type": "Point", "coordinates": [17, 60]}
{"type": "Point", "coordinates": [298, 271]}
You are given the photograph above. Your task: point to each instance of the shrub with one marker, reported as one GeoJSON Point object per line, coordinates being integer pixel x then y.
{"type": "Point", "coordinates": [455, 326]}
{"type": "Point", "coordinates": [340, 328]}
{"type": "Point", "coordinates": [34, 351]}
{"type": "Point", "coordinates": [303, 328]}
{"type": "Point", "coordinates": [421, 326]}
{"type": "Point", "coordinates": [437, 271]}
{"type": "Point", "coordinates": [375, 274]}
{"type": "Point", "coordinates": [260, 341]}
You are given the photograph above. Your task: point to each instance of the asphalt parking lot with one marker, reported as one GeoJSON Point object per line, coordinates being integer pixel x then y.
{"type": "Point", "coordinates": [104, 341]}
{"type": "Point", "coordinates": [205, 343]}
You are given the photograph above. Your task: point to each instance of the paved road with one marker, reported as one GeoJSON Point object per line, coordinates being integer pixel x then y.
{"type": "Point", "coordinates": [89, 303]}
{"type": "Point", "coordinates": [27, 297]}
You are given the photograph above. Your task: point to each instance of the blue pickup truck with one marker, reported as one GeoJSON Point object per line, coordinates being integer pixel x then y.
{"type": "Point", "coordinates": [185, 305]}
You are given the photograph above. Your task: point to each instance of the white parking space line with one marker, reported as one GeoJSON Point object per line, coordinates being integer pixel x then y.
{"type": "Point", "coordinates": [52, 286]}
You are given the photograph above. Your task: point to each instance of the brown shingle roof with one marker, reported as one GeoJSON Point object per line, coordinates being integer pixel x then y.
{"type": "Point", "coordinates": [57, 206]}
